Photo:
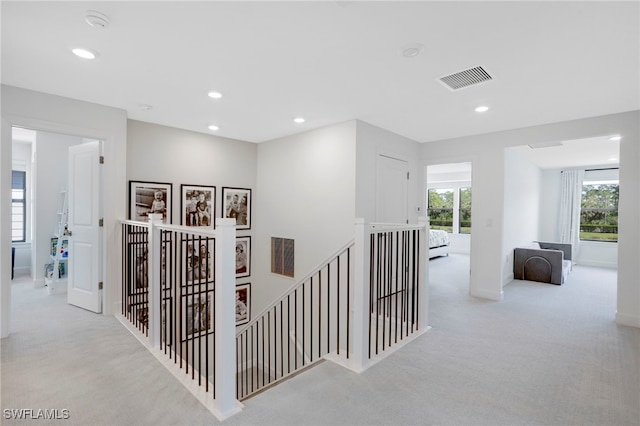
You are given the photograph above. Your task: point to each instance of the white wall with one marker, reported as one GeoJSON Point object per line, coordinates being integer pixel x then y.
{"type": "Point", "coordinates": [56, 114]}
{"type": "Point", "coordinates": [306, 192]}
{"type": "Point", "coordinates": [487, 151]}
{"type": "Point", "coordinates": [165, 154]}
{"type": "Point", "coordinates": [50, 177]}
{"type": "Point", "coordinates": [550, 205]}
{"type": "Point", "coordinates": [522, 189]}
{"type": "Point", "coordinates": [371, 142]}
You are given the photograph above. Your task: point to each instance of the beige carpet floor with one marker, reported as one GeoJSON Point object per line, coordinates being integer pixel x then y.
{"type": "Point", "coordinates": [546, 355]}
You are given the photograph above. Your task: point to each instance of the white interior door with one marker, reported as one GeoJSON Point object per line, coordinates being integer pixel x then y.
{"type": "Point", "coordinates": [392, 190]}
{"type": "Point", "coordinates": [85, 245]}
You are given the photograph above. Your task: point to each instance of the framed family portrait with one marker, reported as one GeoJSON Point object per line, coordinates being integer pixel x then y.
{"type": "Point", "coordinates": [197, 206]}
{"type": "Point", "coordinates": [243, 303]}
{"type": "Point", "coordinates": [196, 315]}
{"type": "Point", "coordinates": [146, 198]}
{"type": "Point", "coordinates": [243, 257]}
{"type": "Point", "coordinates": [138, 268]}
{"type": "Point", "coordinates": [199, 260]}
{"type": "Point", "coordinates": [236, 204]}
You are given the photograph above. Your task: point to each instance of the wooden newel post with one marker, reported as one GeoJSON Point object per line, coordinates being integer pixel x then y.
{"type": "Point", "coordinates": [225, 319]}
{"type": "Point", "coordinates": [153, 276]}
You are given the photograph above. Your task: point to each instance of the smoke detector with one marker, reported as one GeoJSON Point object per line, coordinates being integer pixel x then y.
{"type": "Point", "coordinates": [411, 50]}
{"type": "Point", "coordinates": [96, 19]}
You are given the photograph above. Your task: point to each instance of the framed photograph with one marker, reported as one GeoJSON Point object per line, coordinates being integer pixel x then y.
{"type": "Point", "coordinates": [243, 303]}
{"type": "Point", "coordinates": [197, 206]}
{"type": "Point", "coordinates": [142, 316]}
{"type": "Point", "coordinates": [236, 204]}
{"type": "Point", "coordinates": [149, 197]}
{"type": "Point", "coordinates": [196, 315]}
{"type": "Point", "coordinates": [243, 257]}
{"type": "Point", "coordinates": [138, 267]}
{"type": "Point", "coordinates": [199, 260]}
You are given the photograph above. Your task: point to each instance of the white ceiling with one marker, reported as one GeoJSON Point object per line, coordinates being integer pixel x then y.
{"type": "Point", "coordinates": [597, 151]}
{"type": "Point", "coordinates": [331, 61]}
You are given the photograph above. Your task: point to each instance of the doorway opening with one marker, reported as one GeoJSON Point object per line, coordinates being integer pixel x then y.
{"type": "Point", "coordinates": [449, 201]}
{"type": "Point", "coordinates": [49, 182]}
{"type": "Point", "coordinates": [598, 161]}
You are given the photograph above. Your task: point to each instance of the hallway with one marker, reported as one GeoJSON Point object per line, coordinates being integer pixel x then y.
{"type": "Point", "coordinates": [545, 355]}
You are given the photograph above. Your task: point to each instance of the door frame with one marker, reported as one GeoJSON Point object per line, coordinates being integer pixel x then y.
{"type": "Point", "coordinates": [10, 121]}
{"type": "Point", "coordinates": [393, 156]}
{"type": "Point", "coordinates": [425, 188]}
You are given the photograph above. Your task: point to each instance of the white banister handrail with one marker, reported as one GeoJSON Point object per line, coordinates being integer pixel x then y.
{"type": "Point", "coordinates": [198, 231]}
{"type": "Point", "coordinates": [395, 227]}
{"type": "Point", "coordinates": [134, 222]}
{"type": "Point", "coordinates": [188, 229]}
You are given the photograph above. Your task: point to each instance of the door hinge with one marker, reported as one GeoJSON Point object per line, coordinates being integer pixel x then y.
{"type": "Point", "coordinates": [101, 222]}
{"type": "Point", "coordinates": [100, 285]}
{"type": "Point", "coordinates": [407, 175]}
{"type": "Point", "coordinates": [102, 159]}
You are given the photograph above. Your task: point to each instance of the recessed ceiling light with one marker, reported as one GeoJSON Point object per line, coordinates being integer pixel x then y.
{"type": "Point", "coordinates": [613, 159]}
{"type": "Point", "coordinates": [615, 138]}
{"type": "Point", "coordinates": [482, 108]}
{"type": "Point", "coordinates": [299, 120]}
{"type": "Point", "coordinates": [215, 95]}
{"type": "Point", "coordinates": [84, 53]}
{"type": "Point", "coordinates": [214, 127]}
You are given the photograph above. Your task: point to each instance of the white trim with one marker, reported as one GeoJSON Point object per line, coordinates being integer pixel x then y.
{"type": "Point", "coordinates": [486, 294]}
{"type": "Point", "coordinates": [630, 320]}
{"type": "Point", "coordinates": [356, 367]}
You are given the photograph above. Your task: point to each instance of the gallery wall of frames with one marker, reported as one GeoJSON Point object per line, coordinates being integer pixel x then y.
{"type": "Point", "coordinates": [198, 206]}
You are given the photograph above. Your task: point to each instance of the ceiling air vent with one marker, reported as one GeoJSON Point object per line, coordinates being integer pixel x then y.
{"type": "Point", "coordinates": [466, 78]}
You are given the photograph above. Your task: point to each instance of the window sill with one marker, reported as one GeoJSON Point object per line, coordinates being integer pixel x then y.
{"type": "Point", "coordinates": [597, 243]}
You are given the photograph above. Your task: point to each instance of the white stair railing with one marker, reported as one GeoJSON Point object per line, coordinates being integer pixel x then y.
{"type": "Point", "coordinates": [178, 294]}
{"type": "Point", "coordinates": [363, 302]}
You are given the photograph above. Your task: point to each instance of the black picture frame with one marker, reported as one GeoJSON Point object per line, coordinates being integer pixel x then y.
{"type": "Point", "coordinates": [198, 206]}
{"type": "Point", "coordinates": [199, 258]}
{"type": "Point", "coordinates": [144, 200]}
{"type": "Point", "coordinates": [243, 257]}
{"type": "Point", "coordinates": [236, 203]}
{"type": "Point", "coordinates": [197, 318]}
{"type": "Point", "coordinates": [243, 303]}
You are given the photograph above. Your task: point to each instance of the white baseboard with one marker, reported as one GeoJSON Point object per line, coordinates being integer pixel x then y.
{"type": "Point", "coordinates": [487, 294]}
{"type": "Point", "coordinates": [507, 279]}
{"type": "Point", "coordinates": [349, 364]}
{"type": "Point", "coordinates": [596, 264]}
{"type": "Point", "coordinates": [630, 320]}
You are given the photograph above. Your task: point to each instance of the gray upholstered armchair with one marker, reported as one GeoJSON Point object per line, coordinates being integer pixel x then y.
{"type": "Point", "coordinates": [543, 262]}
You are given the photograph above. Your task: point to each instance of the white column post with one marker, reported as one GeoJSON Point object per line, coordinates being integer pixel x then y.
{"type": "Point", "coordinates": [153, 277]}
{"type": "Point", "coordinates": [423, 275]}
{"type": "Point", "coordinates": [361, 314]}
{"type": "Point", "coordinates": [225, 319]}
